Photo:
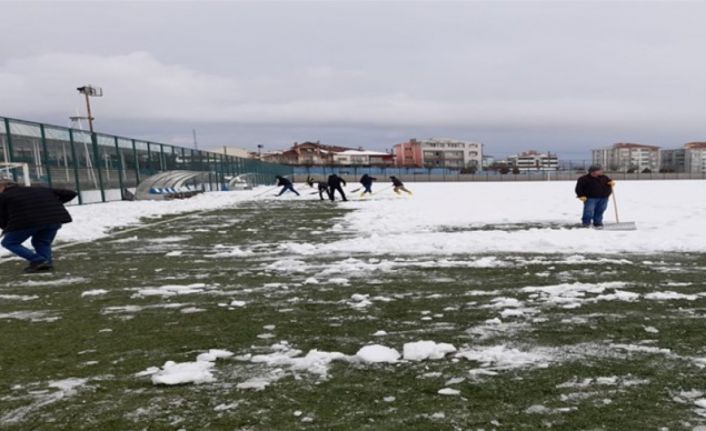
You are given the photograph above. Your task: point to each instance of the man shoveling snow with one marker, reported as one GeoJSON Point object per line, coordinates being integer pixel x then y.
{"type": "Point", "coordinates": [36, 213]}
{"type": "Point", "coordinates": [286, 185]}
{"type": "Point", "coordinates": [593, 190]}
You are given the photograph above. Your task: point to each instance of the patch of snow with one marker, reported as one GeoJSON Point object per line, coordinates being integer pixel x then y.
{"type": "Point", "coordinates": [669, 295]}
{"type": "Point", "coordinates": [503, 358]}
{"type": "Point", "coordinates": [93, 292]}
{"type": "Point", "coordinates": [10, 297]}
{"type": "Point", "coordinates": [423, 350]}
{"type": "Point", "coordinates": [376, 353]}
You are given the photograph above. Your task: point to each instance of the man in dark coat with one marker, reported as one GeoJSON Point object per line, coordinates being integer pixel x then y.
{"type": "Point", "coordinates": [334, 184]}
{"type": "Point", "coordinates": [367, 182]}
{"type": "Point", "coordinates": [593, 190]}
{"type": "Point", "coordinates": [286, 185]}
{"type": "Point", "coordinates": [398, 185]}
{"type": "Point", "coordinates": [322, 186]}
{"type": "Point", "coordinates": [36, 213]}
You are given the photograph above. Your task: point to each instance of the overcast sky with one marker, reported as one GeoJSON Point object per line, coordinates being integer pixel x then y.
{"type": "Point", "coordinates": [561, 76]}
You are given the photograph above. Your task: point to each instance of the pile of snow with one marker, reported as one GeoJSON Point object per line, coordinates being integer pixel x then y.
{"type": "Point", "coordinates": [178, 373]}
{"type": "Point", "coordinates": [376, 353]}
{"type": "Point", "coordinates": [424, 350]}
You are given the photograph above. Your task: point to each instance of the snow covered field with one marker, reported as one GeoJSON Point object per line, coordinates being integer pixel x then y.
{"type": "Point", "coordinates": [465, 306]}
{"type": "Point", "coordinates": [457, 218]}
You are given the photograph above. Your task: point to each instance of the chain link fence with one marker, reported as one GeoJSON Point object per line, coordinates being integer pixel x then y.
{"type": "Point", "coordinates": [102, 167]}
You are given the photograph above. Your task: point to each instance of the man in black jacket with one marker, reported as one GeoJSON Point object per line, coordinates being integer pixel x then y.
{"type": "Point", "coordinates": [36, 213]}
{"type": "Point", "coordinates": [367, 182]}
{"type": "Point", "coordinates": [398, 185]}
{"type": "Point", "coordinates": [334, 184]}
{"type": "Point", "coordinates": [286, 185]}
{"type": "Point", "coordinates": [322, 186]}
{"type": "Point", "coordinates": [594, 190]}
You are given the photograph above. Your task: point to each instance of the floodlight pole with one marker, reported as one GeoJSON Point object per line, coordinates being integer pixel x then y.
{"type": "Point", "coordinates": [88, 91]}
{"type": "Point", "coordinates": [88, 108]}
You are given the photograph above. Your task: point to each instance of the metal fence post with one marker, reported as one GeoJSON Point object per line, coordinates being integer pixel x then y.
{"type": "Point", "coordinates": [10, 153]}
{"type": "Point", "coordinates": [136, 159]}
{"type": "Point", "coordinates": [162, 162]}
{"type": "Point", "coordinates": [149, 159]}
{"type": "Point", "coordinates": [121, 181]}
{"type": "Point", "coordinates": [46, 153]}
{"type": "Point", "coordinates": [74, 160]}
{"type": "Point", "coordinates": [208, 168]}
{"type": "Point", "coordinates": [96, 157]}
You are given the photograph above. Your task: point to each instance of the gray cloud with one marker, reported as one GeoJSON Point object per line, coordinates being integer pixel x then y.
{"type": "Point", "coordinates": [564, 76]}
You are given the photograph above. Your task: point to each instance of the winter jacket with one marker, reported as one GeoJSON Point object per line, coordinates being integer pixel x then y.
{"type": "Point", "coordinates": [396, 182]}
{"type": "Point", "coordinates": [366, 180]}
{"type": "Point", "coordinates": [593, 187]}
{"type": "Point", "coordinates": [29, 207]}
{"type": "Point", "coordinates": [334, 181]}
{"type": "Point", "coordinates": [283, 182]}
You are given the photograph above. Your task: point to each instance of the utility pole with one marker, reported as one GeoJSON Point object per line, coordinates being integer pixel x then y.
{"type": "Point", "coordinates": [90, 91]}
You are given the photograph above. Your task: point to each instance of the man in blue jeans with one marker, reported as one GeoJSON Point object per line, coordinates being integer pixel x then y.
{"type": "Point", "coordinates": [594, 190]}
{"type": "Point", "coordinates": [35, 213]}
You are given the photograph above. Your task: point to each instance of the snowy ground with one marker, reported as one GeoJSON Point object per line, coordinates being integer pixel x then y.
{"type": "Point", "coordinates": [465, 306]}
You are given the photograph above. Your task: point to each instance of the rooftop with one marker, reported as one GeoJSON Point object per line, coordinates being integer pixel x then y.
{"type": "Point", "coordinates": [695, 145]}
{"type": "Point", "coordinates": [620, 145]}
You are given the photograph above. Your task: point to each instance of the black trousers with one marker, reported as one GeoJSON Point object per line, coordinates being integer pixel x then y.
{"type": "Point", "coordinates": [332, 193]}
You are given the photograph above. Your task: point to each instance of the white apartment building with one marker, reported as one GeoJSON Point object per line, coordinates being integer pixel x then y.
{"type": "Point", "coordinates": [363, 158]}
{"type": "Point", "coordinates": [626, 157]}
{"type": "Point", "coordinates": [695, 157]}
{"type": "Point", "coordinates": [451, 153]}
{"type": "Point", "coordinates": [534, 161]}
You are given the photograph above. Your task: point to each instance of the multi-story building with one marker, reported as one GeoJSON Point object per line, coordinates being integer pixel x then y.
{"type": "Point", "coordinates": [672, 160]}
{"type": "Point", "coordinates": [628, 157]}
{"type": "Point", "coordinates": [530, 161]}
{"type": "Point", "coordinates": [695, 157]}
{"type": "Point", "coordinates": [305, 154]}
{"type": "Point", "coordinates": [409, 154]}
{"type": "Point", "coordinates": [363, 158]}
{"type": "Point", "coordinates": [442, 153]}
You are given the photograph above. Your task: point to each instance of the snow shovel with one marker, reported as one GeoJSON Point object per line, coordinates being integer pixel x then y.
{"type": "Point", "coordinates": [630, 225]}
